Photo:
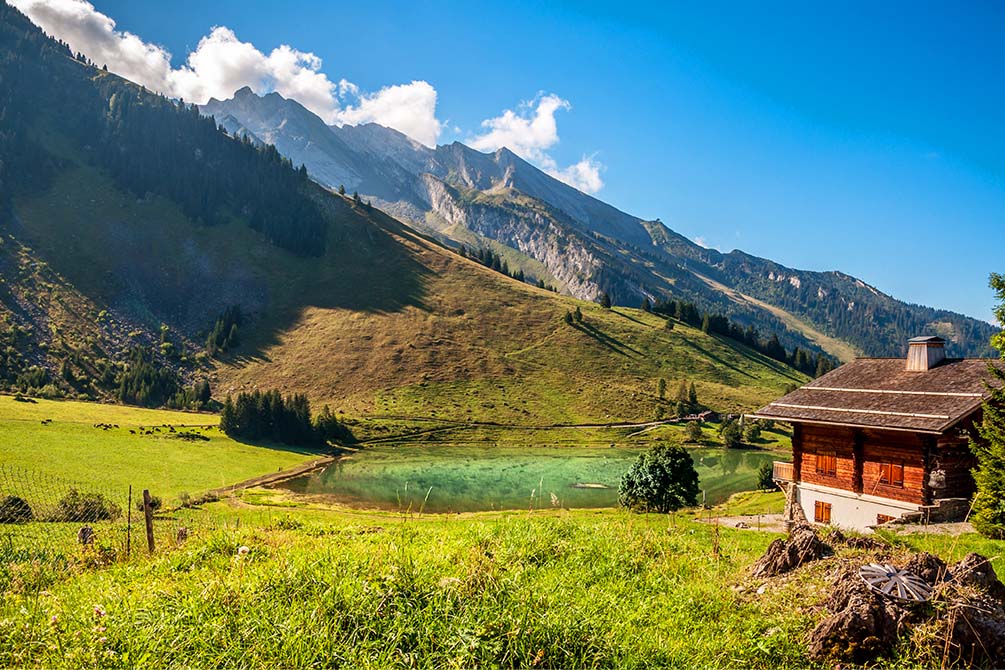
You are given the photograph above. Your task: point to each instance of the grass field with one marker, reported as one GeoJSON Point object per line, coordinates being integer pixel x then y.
{"type": "Point", "coordinates": [71, 448]}
{"type": "Point", "coordinates": [551, 588]}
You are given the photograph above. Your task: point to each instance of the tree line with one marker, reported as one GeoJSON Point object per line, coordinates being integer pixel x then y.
{"type": "Point", "coordinates": [814, 365]}
{"type": "Point", "coordinates": [270, 416]}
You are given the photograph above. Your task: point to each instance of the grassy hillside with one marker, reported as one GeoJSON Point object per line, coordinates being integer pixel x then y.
{"type": "Point", "coordinates": [386, 322]}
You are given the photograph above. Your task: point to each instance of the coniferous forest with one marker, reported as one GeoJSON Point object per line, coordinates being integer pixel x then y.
{"type": "Point", "coordinates": [146, 142]}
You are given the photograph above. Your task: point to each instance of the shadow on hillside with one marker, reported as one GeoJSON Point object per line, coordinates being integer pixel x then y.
{"type": "Point", "coordinates": [614, 344]}
{"type": "Point", "coordinates": [148, 266]}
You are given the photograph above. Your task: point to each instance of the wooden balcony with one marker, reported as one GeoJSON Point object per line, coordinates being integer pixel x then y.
{"type": "Point", "coordinates": [782, 472]}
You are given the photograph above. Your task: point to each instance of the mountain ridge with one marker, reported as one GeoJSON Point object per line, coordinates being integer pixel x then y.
{"type": "Point", "coordinates": [590, 248]}
{"type": "Point", "coordinates": [138, 230]}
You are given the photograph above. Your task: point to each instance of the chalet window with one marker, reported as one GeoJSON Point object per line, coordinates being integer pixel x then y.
{"type": "Point", "coordinates": [827, 465]}
{"type": "Point", "coordinates": [891, 473]}
{"type": "Point", "coordinates": [822, 512]}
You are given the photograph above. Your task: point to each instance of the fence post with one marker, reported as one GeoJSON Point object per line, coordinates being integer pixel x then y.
{"type": "Point", "coordinates": [148, 516]}
{"type": "Point", "coordinates": [129, 520]}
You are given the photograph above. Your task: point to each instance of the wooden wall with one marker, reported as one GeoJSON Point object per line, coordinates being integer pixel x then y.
{"type": "Point", "coordinates": [897, 447]}
{"type": "Point", "coordinates": [816, 440]}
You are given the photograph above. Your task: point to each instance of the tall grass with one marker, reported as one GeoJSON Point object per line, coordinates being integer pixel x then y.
{"type": "Point", "coordinates": [523, 590]}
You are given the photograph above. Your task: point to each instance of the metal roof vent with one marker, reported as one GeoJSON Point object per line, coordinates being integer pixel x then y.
{"type": "Point", "coordinates": [924, 353]}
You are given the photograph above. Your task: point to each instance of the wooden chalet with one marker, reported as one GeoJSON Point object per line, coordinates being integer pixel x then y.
{"type": "Point", "coordinates": [882, 439]}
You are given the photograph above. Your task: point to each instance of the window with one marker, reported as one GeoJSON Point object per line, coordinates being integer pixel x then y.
{"type": "Point", "coordinates": [891, 473]}
{"type": "Point", "coordinates": [883, 518]}
{"type": "Point", "coordinates": [827, 464]}
{"type": "Point", "coordinates": [822, 512]}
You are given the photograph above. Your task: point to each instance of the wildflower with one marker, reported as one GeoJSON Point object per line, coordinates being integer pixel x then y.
{"type": "Point", "coordinates": [102, 640]}
{"type": "Point", "coordinates": [243, 550]}
{"type": "Point", "coordinates": [99, 611]}
{"type": "Point", "coordinates": [54, 620]}
{"type": "Point", "coordinates": [554, 499]}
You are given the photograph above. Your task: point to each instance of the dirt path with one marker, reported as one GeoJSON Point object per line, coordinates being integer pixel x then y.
{"type": "Point", "coordinates": [272, 478]}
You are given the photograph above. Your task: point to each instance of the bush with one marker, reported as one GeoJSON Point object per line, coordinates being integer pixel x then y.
{"type": "Point", "coordinates": [663, 479]}
{"type": "Point", "coordinates": [766, 477]}
{"type": "Point", "coordinates": [15, 510]}
{"type": "Point", "coordinates": [77, 506]}
{"type": "Point", "coordinates": [731, 435]}
{"type": "Point", "coordinates": [692, 431]}
{"type": "Point", "coordinates": [752, 432]}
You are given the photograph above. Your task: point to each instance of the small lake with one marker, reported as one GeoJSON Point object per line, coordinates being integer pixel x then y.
{"type": "Point", "coordinates": [478, 478]}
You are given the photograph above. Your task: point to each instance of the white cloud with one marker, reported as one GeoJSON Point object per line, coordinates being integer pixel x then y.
{"type": "Point", "coordinates": [221, 64]}
{"type": "Point", "coordinates": [529, 132]}
{"type": "Point", "coordinates": [410, 108]}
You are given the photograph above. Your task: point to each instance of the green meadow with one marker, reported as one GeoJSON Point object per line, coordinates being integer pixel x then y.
{"type": "Point", "coordinates": [71, 448]}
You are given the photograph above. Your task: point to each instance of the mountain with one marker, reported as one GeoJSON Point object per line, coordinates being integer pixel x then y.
{"type": "Point", "coordinates": [583, 246]}
{"type": "Point", "coordinates": [133, 232]}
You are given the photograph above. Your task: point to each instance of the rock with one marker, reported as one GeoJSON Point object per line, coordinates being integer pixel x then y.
{"type": "Point", "coordinates": [930, 568]}
{"type": "Point", "coordinates": [801, 547]}
{"type": "Point", "coordinates": [742, 524]}
{"type": "Point", "coordinates": [975, 571]}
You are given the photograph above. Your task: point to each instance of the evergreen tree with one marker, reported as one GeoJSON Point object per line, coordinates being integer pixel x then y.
{"type": "Point", "coordinates": [341, 189]}
{"type": "Point", "coordinates": [692, 396]}
{"type": "Point", "coordinates": [989, 475]}
{"type": "Point", "coordinates": [605, 300]}
{"type": "Point", "coordinates": [578, 315]}
{"type": "Point", "coordinates": [661, 389]}
{"type": "Point", "coordinates": [682, 395]}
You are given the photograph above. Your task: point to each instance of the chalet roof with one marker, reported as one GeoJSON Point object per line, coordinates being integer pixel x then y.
{"type": "Point", "coordinates": [881, 393]}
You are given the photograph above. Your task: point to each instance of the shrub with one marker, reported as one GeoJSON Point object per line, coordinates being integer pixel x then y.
{"type": "Point", "coordinates": [15, 510]}
{"type": "Point", "coordinates": [77, 506]}
{"type": "Point", "coordinates": [732, 437]}
{"type": "Point", "coordinates": [752, 432]}
{"type": "Point", "coordinates": [766, 476]}
{"type": "Point", "coordinates": [663, 479]}
{"type": "Point", "coordinates": [692, 431]}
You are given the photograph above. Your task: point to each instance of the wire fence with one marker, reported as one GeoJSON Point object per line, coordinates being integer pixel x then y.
{"type": "Point", "coordinates": [47, 518]}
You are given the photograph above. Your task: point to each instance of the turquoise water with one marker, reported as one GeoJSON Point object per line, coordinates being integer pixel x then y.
{"type": "Point", "coordinates": [477, 478]}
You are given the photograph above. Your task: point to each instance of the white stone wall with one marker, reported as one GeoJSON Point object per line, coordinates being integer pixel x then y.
{"type": "Point", "coordinates": [854, 511]}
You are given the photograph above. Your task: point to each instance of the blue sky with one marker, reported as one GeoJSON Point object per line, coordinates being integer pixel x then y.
{"type": "Point", "coordinates": [853, 137]}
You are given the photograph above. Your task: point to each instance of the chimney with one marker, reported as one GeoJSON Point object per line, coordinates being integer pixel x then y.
{"type": "Point", "coordinates": [924, 353]}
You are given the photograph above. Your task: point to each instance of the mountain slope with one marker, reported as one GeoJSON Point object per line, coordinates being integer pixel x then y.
{"type": "Point", "coordinates": [585, 246]}
{"type": "Point", "coordinates": [340, 301]}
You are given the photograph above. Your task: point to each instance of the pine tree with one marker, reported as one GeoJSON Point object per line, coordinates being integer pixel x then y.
{"type": "Point", "coordinates": [605, 300]}
{"type": "Point", "coordinates": [989, 504]}
{"type": "Point", "coordinates": [661, 389]}
{"type": "Point", "coordinates": [682, 392]}
{"type": "Point", "coordinates": [692, 396]}
{"type": "Point", "coordinates": [341, 189]}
